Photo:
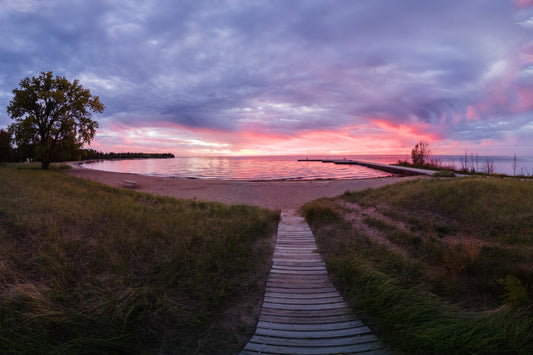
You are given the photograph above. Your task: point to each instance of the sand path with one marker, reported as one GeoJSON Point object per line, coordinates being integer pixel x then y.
{"type": "Point", "coordinates": [275, 195]}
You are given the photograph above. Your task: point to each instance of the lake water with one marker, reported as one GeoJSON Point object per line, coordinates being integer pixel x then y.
{"type": "Point", "coordinates": [288, 168]}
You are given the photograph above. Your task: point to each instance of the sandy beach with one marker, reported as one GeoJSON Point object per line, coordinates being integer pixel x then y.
{"type": "Point", "coordinates": [275, 195]}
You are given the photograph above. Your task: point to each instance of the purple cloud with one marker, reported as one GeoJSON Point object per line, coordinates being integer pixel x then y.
{"type": "Point", "coordinates": [459, 69]}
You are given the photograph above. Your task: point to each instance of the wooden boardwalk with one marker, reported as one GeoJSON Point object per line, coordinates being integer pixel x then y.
{"type": "Point", "coordinates": [302, 311]}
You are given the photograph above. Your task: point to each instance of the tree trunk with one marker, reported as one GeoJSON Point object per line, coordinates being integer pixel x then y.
{"type": "Point", "coordinates": [45, 164]}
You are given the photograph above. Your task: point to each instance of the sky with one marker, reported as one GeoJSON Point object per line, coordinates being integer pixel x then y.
{"type": "Point", "coordinates": [251, 77]}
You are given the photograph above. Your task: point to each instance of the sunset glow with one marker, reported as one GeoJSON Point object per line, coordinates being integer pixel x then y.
{"type": "Point", "coordinates": [199, 78]}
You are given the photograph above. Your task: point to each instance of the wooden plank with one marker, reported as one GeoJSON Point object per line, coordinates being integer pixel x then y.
{"type": "Point", "coordinates": [295, 350]}
{"type": "Point", "coordinates": [298, 256]}
{"type": "Point", "coordinates": [305, 307]}
{"type": "Point", "coordinates": [305, 312]}
{"type": "Point", "coordinates": [302, 247]}
{"type": "Point", "coordinates": [303, 288]}
{"type": "Point", "coordinates": [299, 267]}
{"type": "Point", "coordinates": [299, 263]}
{"type": "Point", "coordinates": [323, 319]}
{"type": "Point", "coordinates": [310, 327]}
{"type": "Point", "coordinates": [299, 279]}
{"type": "Point", "coordinates": [293, 242]}
{"type": "Point", "coordinates": [287, 278]}
{"type": "Point", "coordinates": [299, 291]}
{"type": "Point", "coordinates": [304, 252]}
{"type": "Point", "coordinates": [294, 265]}
{"type": "Point", "coordinates": [298, 273]}
{"type": "Point", "coordinates": [303, 276]}
{"type": "Point", "coordinates": [311, 249]}
{"type": "Point", "coordinates": [297, 251]}
{"type": "Point", "coordinates": [295, 259]}
{"type": "Point", "coordinates": [322, 334]}
{"type": "Point", "coordinates": [305, 301]}
{"type": "Point", "coordinates": [352, 340]}
{"type": "Point", "coordinates": [305, 246]}
{"type": "Point", "coordinates": [319, 268]}
{"type": "Point", "coordinates": [315, 295]}
{"type": "Point", "coordinates": [295, 237]}
{"type": "Point", "coordinates": [308, 286]}
{"type": "Point", "coordinates": [303, 270]}
{"type": "Point", "coordinates": [296, 283]}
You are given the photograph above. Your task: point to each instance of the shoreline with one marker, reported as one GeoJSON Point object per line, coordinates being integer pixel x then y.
{"type": "Point", "coordinates": [271, 194]}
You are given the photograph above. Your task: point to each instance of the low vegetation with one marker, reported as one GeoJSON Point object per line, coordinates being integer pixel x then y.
{"type": "Point", "coordinates": [86, 268]}
{"type": "Point", "coordinates": [436, 265]}
{"type": "Point", "coordinates": [91, 154]}
{"type": "Point", "coordinates": [470, 164]}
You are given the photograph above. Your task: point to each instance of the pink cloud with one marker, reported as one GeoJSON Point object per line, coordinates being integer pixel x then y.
{"type": "Point", "coordinates": [504, 92]}
{"type": "Point", "coordinates": [523, 3]}
{"type": "Point", "coordinates": [334, 142]}
{"type": "Point", "coordinates": [472, 112]}
{"type": "Point", "coordinates": [513, 99]}
{"type": "Point", "coordinates": [415, 132]}
{"type": "Point", "coordinates": [525, 100]}
{"type": "Point", "coordinates": [184, 141]}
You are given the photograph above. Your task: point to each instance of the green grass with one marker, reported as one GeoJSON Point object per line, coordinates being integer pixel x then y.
{"type": "Point", "coordinates": [86, 268]}
{"type": "Point", "coordinates": [457, 276]}
{"type": "Point", "coordinates": [485, 207]}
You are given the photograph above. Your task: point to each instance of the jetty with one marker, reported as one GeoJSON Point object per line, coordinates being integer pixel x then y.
{"type": "Point", "coordinates": [302, 312]}
{"type": "Point", "coordinates": [393, 169]}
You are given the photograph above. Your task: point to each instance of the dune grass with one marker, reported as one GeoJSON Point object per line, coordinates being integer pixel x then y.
{"type": "Point", "coordinates": [86, 268]}
{"type": "Point", "coordinates": [455, 274]}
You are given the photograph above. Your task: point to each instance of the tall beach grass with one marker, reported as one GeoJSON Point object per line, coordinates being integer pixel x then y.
{"type": "Point", "coordinates": [435, 265]}
{"type": "Point", "coordinates": [86, 268]}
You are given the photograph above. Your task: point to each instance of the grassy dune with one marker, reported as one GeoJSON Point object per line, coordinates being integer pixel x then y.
{"type": "Point", "coordinates": [437, 266]}
{"type": "Point", "coordinates": [86, 268]}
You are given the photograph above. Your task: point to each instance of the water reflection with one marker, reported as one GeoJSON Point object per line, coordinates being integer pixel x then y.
{"type": "Point", "coordinates": [285, 167]}
{"type": "Point", "coordinates": [237, 168]}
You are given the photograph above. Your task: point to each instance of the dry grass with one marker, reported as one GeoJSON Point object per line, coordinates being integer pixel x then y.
{"type": "Point", "coordinates": [437, 265]}
{"type": "Point", "coordinates": [85, 268]}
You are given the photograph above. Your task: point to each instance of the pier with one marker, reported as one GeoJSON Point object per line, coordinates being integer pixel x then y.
{"type": "Point", "coordinates": [393, 169]}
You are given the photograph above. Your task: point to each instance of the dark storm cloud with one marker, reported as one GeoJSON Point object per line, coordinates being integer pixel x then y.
{"type": "Point", "coordinates": [281, 67]}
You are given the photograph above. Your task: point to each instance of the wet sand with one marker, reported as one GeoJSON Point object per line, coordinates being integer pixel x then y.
{"type": "Point", "coordinates": [275, 195]}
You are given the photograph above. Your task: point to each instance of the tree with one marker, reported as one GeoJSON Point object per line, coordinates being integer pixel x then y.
{"type": "Point", "coordinates": [5, 146]}
{"type": "Point", "coordinates": [52, 116]}
{"type": "Point", "coordinates": [420, 153]}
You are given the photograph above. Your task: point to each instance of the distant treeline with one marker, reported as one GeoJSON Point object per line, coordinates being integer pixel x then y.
{"type": "Point", "coordinates": [26, 153]}
{"type": "Point", "coordinates": [91, 154]}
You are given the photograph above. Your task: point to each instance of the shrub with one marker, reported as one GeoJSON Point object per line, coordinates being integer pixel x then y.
{"type": "Point", "coordinates": [420, 154]}
{"type": "Point", "coordinates": [444, 173]}
{"type": "Point", "coordinates": [515, 294]}
{"type": "Point", "coordinates": [459, 255]}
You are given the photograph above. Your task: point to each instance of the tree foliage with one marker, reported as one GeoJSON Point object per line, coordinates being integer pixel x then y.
{"type": "Point", "coordinates": [91, 154]}
{"type": "Point", "coordinates": [52, 117]}
{"type": "Point", "coordinates": [6, 151]}
{"type": "Point", "coordinates": [421, 154]}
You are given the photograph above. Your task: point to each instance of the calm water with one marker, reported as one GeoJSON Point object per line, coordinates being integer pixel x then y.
{"type": "Point", "coordinates": [287, 167]}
